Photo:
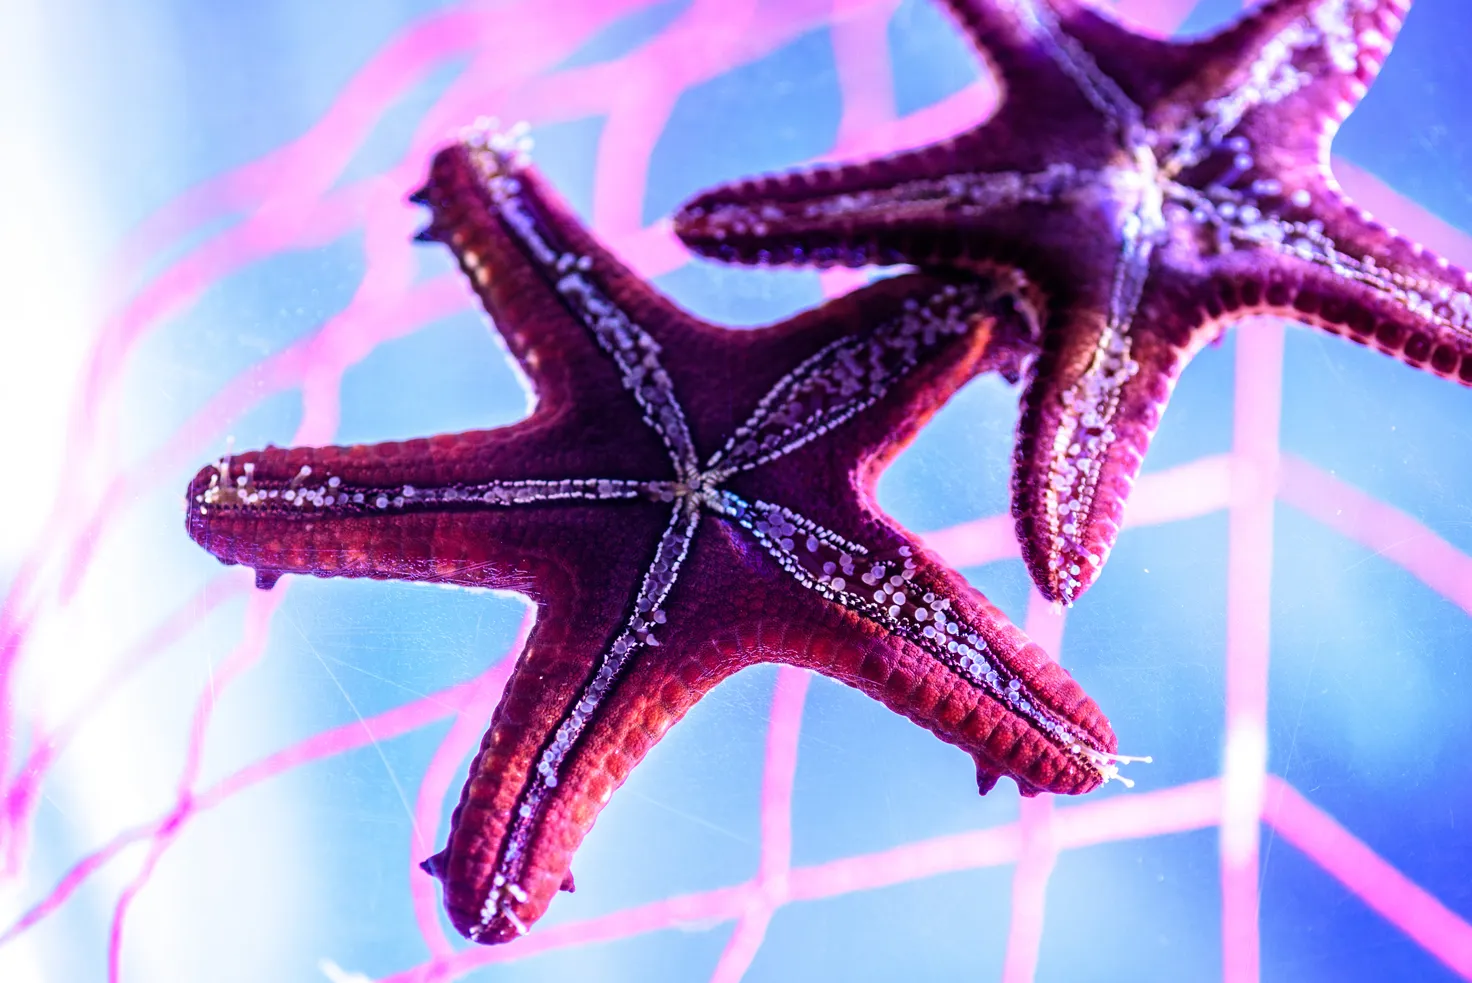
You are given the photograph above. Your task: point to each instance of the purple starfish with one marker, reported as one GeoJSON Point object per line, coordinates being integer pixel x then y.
{"type": "Point", "coordinates": [683, 501]}
{"type": "Point", "coordinates": [1149, 191]}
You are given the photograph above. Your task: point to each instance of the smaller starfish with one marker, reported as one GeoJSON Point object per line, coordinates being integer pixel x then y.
{"type": "Point", "coordinates": [1151, 191]}
{"type": "Point", "coordinates": [683, 501]}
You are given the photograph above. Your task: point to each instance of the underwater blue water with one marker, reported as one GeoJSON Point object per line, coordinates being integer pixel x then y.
{"type": "Point", "coordinates": [1370, 682]}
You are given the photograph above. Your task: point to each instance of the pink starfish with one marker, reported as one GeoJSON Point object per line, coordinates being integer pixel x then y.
{"type": "Point", "coordinates": [1149, 191]}
{"type": "Point", "coordinates": [683, 501]}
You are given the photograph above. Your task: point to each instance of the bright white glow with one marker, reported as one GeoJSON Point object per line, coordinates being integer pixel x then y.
{"type": "Point", "coordinates": [43, 327]}
{"type": "Point", "coordinates": [52, 255]}
{"type": "Point", "coordinates": [1244, 775]}
{"type": "Point", "coordinates": [45, 260]}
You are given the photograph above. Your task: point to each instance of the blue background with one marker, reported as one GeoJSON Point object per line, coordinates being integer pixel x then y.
{"type": "Point", "coordinates": [1369, 695]}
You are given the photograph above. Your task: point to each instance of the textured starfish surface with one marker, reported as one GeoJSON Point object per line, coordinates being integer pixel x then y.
{"type": "Point", "coordinates": [1150, 191]}
{"type": "Point", "coordinates": [683, 501]}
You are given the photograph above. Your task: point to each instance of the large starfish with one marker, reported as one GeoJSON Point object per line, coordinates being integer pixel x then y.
{"type": "Point", "coordinates": [1150, 191]}
{"type": "Point", "coordinates": [683, 500]}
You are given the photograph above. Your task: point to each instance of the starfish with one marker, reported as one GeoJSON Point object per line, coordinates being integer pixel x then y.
{"type": "Point", "coordinates": [682, 501]}
{"type": "Point", "coordinates": [1149, 191]}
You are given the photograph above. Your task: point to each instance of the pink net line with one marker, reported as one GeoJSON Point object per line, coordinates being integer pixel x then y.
{"type": "Point", "coordinates": [289, 199]}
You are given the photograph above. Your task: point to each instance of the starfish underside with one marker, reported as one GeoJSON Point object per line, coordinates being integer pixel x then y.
{"type": "Point", "coordinates": [683, 501]}
{"type": "Point", "coordinates": [1147, 191]}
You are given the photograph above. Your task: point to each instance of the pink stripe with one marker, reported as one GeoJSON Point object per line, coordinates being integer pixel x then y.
{"type": "Point", "coordinates": [474, 702]}
{"type": "Point", "coordinates": [325, 149]}
{"type": "Point", "coordinates": [291, 180]}
{"type": "Point", "coordinates": [337, 740]}
{"type": "Point", "coordinates": [1385, 890]}
{"type": "Point", "coordinates": [1384, 529]}
{"type": "Point", "coordinates": [1249, 607]}
{"type": "Point", "coordinates": [1392, 208]}
{"type": "Point", "coordinates": [259, 609]}
{"type": "Point", "coordinates": [349, 736]}
{"type": "Point", "coordinates": [1124, 817]}
{"type": "Point", "coordinates": [47, 746]}
{"type": "Point", "coordinates": [288, 192]}
{"type": "Point", "coordinates": [973, 543]}
{"type": "Point", "coordinates": [1039, 852]}
{"type": "Point", "coordinates": [76, 876]}
{"type": "Point", "coordinates": [690, 910]}
{"type": "Point", "coordinates": [860, 32]}
{"type": "Point", "coordinates": [769, 888]}
{"type": "Point", "coordinates": [746, 938]}
{"type": "Point", "coordinates": [1037, 856]}
{"type": "Point", "coordinates": [650, 81]}
{"type": "Point", "coordinates": [1178, 810]}
{"type": "Point", "coordinates": [290, 218]}
{"type": "Point", "coordinates": [293, 220]}
{"type": "Point", "coordinates": [954, 114]}
{"type": "Point", "coordinates": [1183, 492]}
{"type": "Point", "coordinates": [1139, 815]}
{"type": "Point", "coordinates": [780, 772]}
{"type": "Point", "coordinates": [1351, 512]}
{"type": "Point", "coordinates": [1161, 17]}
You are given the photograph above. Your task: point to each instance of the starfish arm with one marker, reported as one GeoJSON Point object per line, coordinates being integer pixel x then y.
{"type": "Point", "coordinates": [484, 168]}
{"type": "Point", "coordinates": [953, 201]}
{"type": "Point", "coordinates": [612, 663]}
{"type": "Point", "coordinates": [1007, 36]}
{"type": "Point", "coordinates": [886, 358]}
{"type": "Point", "coordinates": [1126, 70]}
{"type": "Point", "coordinates": [867, 344]}
{"type": "Point", "coordinates": [1100, 387]}
{"type": "Point", "coordinates": [573, 315]}
{"type": "Point", "coordinates": [956, 200]}
{"type": "Point", "coordinates": [1200, 167]}
{"type": "Point", "coordinates": [452, 509]}
{"type": "Point", "coordinates": [953, 663]}
{"type": "Point", "coordinates": [1269, 91]}
{"type": "Point", "coordinates": [1093, 404]}
{"type": "Point", "coordinates": [1338, 269]}
{"type": "Point", "coordinates": [556, 352]}
{"type": "Point", "coordinates": [1047, 49]}
{"type": "Point", "coordinates": [563, 740]}
{"type": "Point", "coordinates": [913, 635]}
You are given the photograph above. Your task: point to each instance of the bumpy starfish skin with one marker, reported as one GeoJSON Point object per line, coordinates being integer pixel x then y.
{"type": "Point", "coordinates": [1151, 191]}
{"type": "Point", "coordinates": [683, 501]}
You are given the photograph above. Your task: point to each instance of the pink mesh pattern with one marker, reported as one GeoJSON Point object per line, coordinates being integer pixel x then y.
{"type": "Point", "coordinates": [291, 199]}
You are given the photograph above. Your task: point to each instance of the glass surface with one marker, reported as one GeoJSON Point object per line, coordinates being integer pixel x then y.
{"type": "Point", "coordinates": [206, 241]}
